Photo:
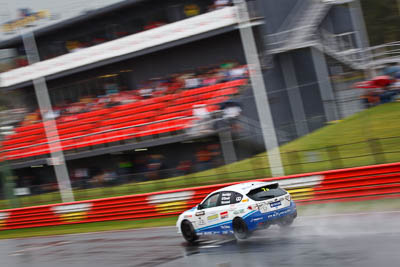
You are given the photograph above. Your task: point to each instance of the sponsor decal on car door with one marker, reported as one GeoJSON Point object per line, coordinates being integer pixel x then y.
{"type": "Point", "coordinates": [224, 215]}
{"type": "Point", "coordinates": [200, 218]}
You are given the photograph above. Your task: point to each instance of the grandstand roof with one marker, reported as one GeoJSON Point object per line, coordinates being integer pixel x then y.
{"type": "Point", "coordinates": [21, 77]}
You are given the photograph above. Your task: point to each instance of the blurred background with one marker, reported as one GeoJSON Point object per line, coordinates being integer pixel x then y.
{"type": "Point", "coordinates": [109, 98]}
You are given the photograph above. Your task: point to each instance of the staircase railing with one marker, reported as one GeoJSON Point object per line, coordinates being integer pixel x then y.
{"type": "Point", "coordinates": [300, 29]}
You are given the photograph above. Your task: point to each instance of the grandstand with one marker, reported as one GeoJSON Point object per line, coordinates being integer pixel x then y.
{"type": "Point", "coordinates": [116, 53]}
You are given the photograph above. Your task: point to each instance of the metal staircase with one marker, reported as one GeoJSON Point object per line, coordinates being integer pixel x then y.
{"type": "Point", "coordinates": [299, 29]}
{"type": "Point", "coordinates": [342, 48]}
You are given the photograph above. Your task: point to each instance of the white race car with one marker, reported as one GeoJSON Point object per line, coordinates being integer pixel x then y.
{"type": "Point", "coordinates": [238, 209]}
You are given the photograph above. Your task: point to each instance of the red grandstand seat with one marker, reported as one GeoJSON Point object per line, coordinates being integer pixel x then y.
{"type": "Point", "coordinates": [24, 139]}
{"type": "Point", "coordinates": [29, 127]}
{"type": "Point", "coordinates": [167, 126]}
{"type": "Point", "coordinates": [217, 100]}
{"type": "Point", "coordinates": [125, 124]}
{"type": "Point", "coordinates": [41, 149]}
{"type": "Point", "coordinates": [96, 139]}
{"type": "Point", "coordinates": [128, 106]}
{"type": "Point", "coordinates": [135, 110]}
{"type": "Point", "coordinates": [184, 113]}
{"type": "Point", "coordinates": [19, 133]}
{"type": "Point", "coordinates": [185, 100]}
{"type": "Point", "coordinates": [68, 144]}
{"type": "Point", "coordinates": [18, 145]}
{"type": "Point", "coordinates": [91, 114]}
{"type": "Point", "coordinates": [168, 97]}
{"type": "Point", "coordinates": [132, 118]}
{"type": "Point", "coordinates": [234, 83]}
{"type": "Point", "coordinates": [212, 108]}
{"type": "Point", "coordinates": [150, 107]}
{"type": "Point", "coordinates": [178, 108]}
{"type": "Point", "coordinates": [81, 128]}
{"type": "Point", "coordinates": [227, 91]}
{"type": "Point", "coordinates": [200, 90]}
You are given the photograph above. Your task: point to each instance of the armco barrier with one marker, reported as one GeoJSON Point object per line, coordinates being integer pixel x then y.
{"type": "Point", "coordinates": [361, 183]}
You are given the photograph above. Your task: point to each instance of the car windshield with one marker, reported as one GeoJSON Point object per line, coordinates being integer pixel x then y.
{"type": "Point", "coordinates": [266, 192]}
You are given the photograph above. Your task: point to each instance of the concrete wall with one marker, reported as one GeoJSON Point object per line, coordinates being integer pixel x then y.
{"type": "Point", "coordinates": [339, 19]}
{"type": "Point", "coordinates": [275, 12]}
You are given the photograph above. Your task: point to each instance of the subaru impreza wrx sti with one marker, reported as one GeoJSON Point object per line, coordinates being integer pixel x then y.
{"type": "Point", "coordinates": [238, 209]}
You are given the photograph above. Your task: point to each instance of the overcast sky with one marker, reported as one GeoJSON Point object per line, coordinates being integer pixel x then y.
{"type": "Point", "coordinates": [60, 9]}
{"type": "Point", "coordinates": [9, 7]}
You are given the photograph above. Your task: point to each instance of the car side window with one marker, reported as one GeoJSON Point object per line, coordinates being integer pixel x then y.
{"type": "Point", "coordinates": [211, 201]}
{"type": "Point", "coordinates": [236, 198]}
{"type": "Point", "coordinates": [226, 197]}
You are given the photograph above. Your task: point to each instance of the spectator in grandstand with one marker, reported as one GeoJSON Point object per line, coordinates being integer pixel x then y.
{"type": "Point", "coordinates": [231, 109]}
{"type": "Point", "coordinates": [74, 46]}
{"type": "Point", "coordinates": [192, 81]}
{"type": "Point", "coordinates": [395, 86]}
{"type": "Point", "coordinates": [210, 78]}
{"type": "Point", "coordinates": [153, 25]}
{"type": "Point", "coordinates": [98, 178]}
{"type": "Point", "coordinates": [238, 72]}
{"type": "Point", "coordinates": [174, 84]}
{"type": "Point", "coordinates": [203, 158]}
{"type": "Point", "coordinates": [202, 123]}
{"type": "Point", "coordinates": [125, 168]}
{"type": "Point", "coordinates": [228, 65]}
{"type": "Point", "coordinates": [218, 4]}
{"type": "Point", "coordinates": [160, 87]}
{"type": "Point", "coordinates": [51, 114]}
{"type": "Point", "coordinates": [146, 91]}
{"type": "Point", "coordinates": [154, 166]}
{"type": "Point", "coordinates": [82, 177]}
{"type": "Point", "coordinates": [215, 153]}
{"type": "Point", "coordinates": [111, 88]}
{"type": "Point", "coordinates": [31, 118]}
{"type": "Point", "coordinates": [22, 61]}
{"type": "Point", "coordinates": [110, 177]}
{"type": "Point", "coordinates": [184, 167]}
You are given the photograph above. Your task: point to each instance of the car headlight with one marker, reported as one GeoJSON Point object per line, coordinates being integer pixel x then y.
{"type": "Point", "coordinates": [288, 198]}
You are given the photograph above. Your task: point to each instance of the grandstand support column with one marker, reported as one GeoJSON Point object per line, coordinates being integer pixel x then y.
{"type": "Point", "coordinates": [259, 90]}
{"type": "Point", "coordinates": [325, 86]}
{"type": "Point", "coordinates": [361, 36]}
{"type": "Point", "coordinates": [295, 99]}
{"type": "Point", "coordinates": [56, 155]}
{"type": "Point", "coordinates": [228, 149]}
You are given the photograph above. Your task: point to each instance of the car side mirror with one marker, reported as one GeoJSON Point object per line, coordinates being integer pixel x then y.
{"type": "Point", "coordinates": [200, 207]}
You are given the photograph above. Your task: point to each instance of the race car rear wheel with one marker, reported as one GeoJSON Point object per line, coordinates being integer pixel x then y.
{"type": "Point", "coordinates": [188, 231]}
{"type": "Point", "coordinates": [286, 222]}
{"type": "Point", "coordinates": [240, 229]}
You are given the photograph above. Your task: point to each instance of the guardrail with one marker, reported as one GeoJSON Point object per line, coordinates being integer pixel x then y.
{"type": "Point", "coordinates": [362, 183]}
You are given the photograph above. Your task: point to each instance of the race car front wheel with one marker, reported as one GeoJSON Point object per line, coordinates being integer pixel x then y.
{"type": "Point", "coordinates": [188, 231]}
{"type": "Point", "coordinates": [240, 228]}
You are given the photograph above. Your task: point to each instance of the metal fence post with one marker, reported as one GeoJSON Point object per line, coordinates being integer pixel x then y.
{"type": "Point", "coordinates": [294, 162]}
{"type": "Point", "coordinates": [376, 149]}
{"type": "Point", "coordinates": [334, 157]}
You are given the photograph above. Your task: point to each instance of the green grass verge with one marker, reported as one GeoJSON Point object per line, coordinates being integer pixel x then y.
{"type": "Point", "coordinates": [86, 228]}
{"type": "Point", "coordinates": [378, 122]}
{"type": "Point", "coordinates": [308, 210]}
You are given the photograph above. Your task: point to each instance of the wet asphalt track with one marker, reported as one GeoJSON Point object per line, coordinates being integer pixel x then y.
{"type": "Point", "coordinates": [363, 239]}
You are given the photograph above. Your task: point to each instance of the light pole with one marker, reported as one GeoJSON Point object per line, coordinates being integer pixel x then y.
{"type": "Point", "coordinates": [6, 175]}
{"type": "Point", "coordinates": [50, 127]}
{"type": "Point", "coordinates": [259, 90]}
